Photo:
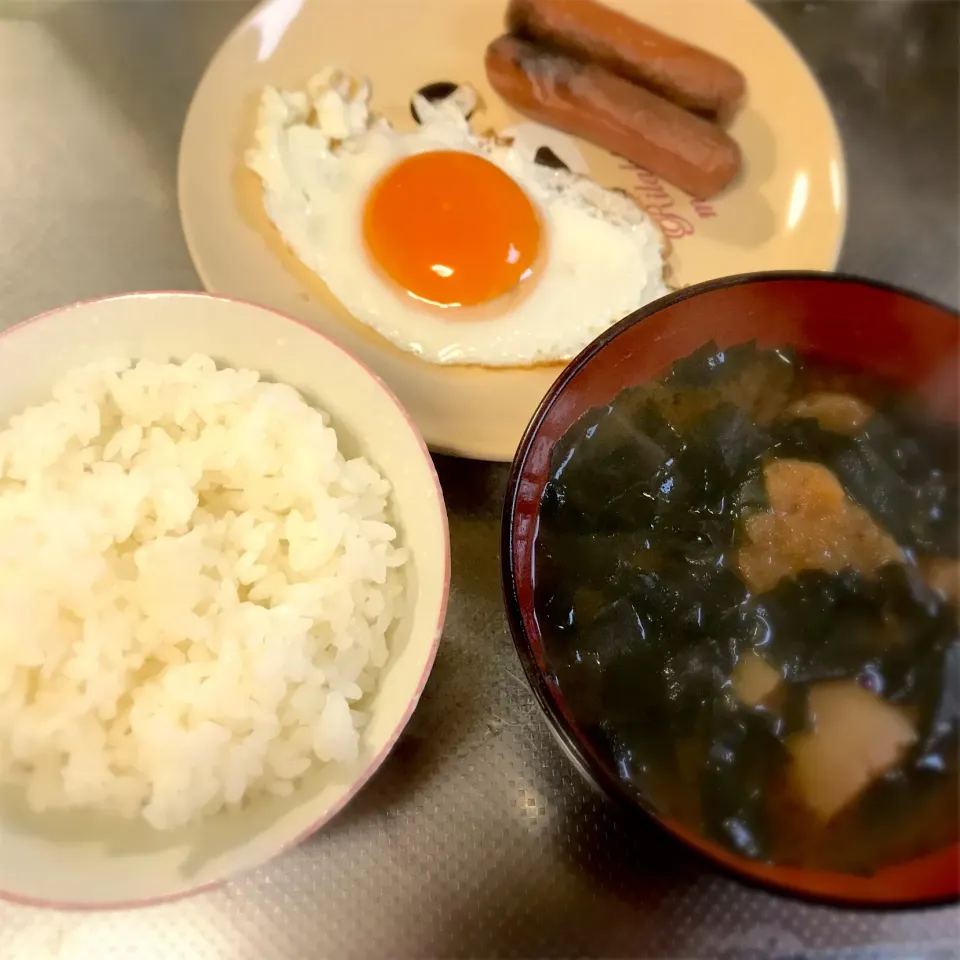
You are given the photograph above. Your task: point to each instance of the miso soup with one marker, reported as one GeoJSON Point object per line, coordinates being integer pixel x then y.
{"type": "Point", "coordinates": [747, 584]}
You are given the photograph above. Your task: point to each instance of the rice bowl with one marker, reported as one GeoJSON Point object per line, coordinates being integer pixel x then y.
{"type": "Point", "coordinates": [234, 561]}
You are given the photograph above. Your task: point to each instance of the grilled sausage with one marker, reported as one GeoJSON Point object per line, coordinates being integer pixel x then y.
{"type": "Point", "coordinates": [682, 73]}
{"type": "Point", "coordinates": [590, 102]}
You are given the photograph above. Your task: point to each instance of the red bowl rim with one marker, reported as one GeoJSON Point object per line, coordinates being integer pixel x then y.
{"type": "Point", "coordinates": [739, 868]}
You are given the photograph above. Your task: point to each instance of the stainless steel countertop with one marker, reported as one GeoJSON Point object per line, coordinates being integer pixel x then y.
{"type": "Point", "coordinates": [477, 838]}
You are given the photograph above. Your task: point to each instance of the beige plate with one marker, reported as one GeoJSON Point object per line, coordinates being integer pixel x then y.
{"type": "Point", "coordinates": [788, 210]}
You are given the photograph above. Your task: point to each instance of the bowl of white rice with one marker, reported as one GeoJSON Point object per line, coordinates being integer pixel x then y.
{"type": "Point", "coordinates": [224, 568]}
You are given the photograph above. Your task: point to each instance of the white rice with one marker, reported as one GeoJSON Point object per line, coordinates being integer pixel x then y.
{"type": "Point", "coordinates": [195, 591]}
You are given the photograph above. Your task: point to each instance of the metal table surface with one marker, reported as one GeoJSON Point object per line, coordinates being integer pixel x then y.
{"type": "Point", "coordinates": [477, 838]}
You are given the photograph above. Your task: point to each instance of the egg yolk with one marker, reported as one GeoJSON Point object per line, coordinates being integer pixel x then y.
{"type": "Point", "coordinates": [451, 228]}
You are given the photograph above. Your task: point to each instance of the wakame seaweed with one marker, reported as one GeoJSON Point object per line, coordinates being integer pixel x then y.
{"type": "Point", "coordinates": [644, 615]}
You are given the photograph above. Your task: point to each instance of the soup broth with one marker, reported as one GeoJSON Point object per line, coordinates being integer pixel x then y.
{"type": "Point", "coordinates": [746, 584]}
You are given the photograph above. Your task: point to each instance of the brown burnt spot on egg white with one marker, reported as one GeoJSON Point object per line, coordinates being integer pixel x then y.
{"type": "Point", "coordinates": [434, 93]}
{"type": "Point", "coordinates": [547, 158]}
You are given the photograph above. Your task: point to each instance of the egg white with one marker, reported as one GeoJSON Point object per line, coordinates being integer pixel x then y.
{"type": "Point", "coordinates": [319, 152]}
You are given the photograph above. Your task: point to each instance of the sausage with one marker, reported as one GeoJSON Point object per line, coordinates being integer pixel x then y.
{"type": "Point", "coordinates": [682, 73]}
{"type": "Point", "coordinates": [590, 102]}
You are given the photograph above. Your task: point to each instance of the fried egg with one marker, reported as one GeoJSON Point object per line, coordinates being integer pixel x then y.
{"type": "Point", "coordinates": [453, 246]}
